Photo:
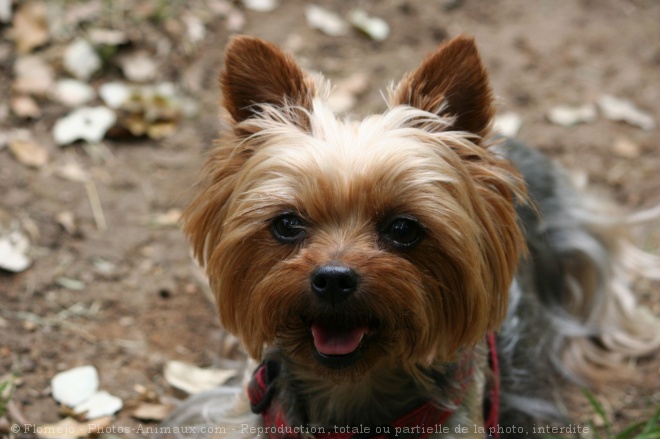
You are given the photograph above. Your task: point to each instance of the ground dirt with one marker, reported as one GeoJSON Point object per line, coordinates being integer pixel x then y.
{"type": "Point", "coordinates": [150, 307]}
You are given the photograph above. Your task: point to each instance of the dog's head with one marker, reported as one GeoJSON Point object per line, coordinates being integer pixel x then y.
{"type": "Point", "coordinates": [350, 243]}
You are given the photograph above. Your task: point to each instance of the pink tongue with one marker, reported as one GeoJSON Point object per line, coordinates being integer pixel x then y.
{"type": "Point", "coordinates": [330, 342]}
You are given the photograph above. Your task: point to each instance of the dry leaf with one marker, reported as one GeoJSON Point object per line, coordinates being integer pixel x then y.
{"type": "Point", "coordinates": [139, 67]}
{"type": "Point", "coordinates": [109, 37]}
{"type": "Point", "coordinates": [508, 124]}
{"type": "Point", "coordinates": [626, 148]}
{"type": "Point", "coordinates": [72, 93]}
{"type": "Point", "coordinates": [261, 5]}
{"type": "Point", "coordinates": [192, 379]}
{"type": "Point", "coordinates": [67, 220]}
{"type": "Point", "coordinates": [69, 428]}
{"type": "Point", "coordinates": [568, 116]}
{"type": "Point", "coordinates": [86, 123]}
{"type": "Point", "coordinates": [30, 27]}
{"type": "Point", "coordinates": [74, 386]}
{"type": "Point", "coordinates": [151, 412]}
{"type": "Point", "coordinates": [25, 106]}
{"type": "Point", "coordinates": [5, 11]}
{"type": "Point", "coordinates": [195, 29]}
{"type": "Point", "coordinates": [169, 218]}
{"type": "Point", "coordinates": [28, 152]}
{"type": "Point", "coordinates": [98, 405]}
{"type": "Point", "coordinates": [623, 110]}
{"type": "Point", "coordinates": [33, 75]}
{"type": "Point", "coordinates": [73, 171]}
{"type": "Point", "coordinates": [375, 28]}
{"type": "Point", "coordinates": [14, 244]}
{"type": "Point", "coordinates": [81, 60]}
{"type": "Point", "coordinates": [326, 21]}
{"type": "Point", "coordinates": [235, 20]}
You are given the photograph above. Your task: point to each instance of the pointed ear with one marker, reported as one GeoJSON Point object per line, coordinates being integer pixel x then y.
{"type": "Point", "coordinates": [258, 72]}
{"type": "Point", "coordinates": [451, 81]}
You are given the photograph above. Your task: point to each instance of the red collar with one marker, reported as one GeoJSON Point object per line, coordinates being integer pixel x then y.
{"type": "Point", "coordinates": [425, 420]}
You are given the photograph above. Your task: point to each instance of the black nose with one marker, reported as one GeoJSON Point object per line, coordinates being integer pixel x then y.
{"type": "Point", "coordinates": [334, 283]}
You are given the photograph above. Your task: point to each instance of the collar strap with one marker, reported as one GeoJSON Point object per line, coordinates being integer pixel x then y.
{"type": "Point", "coordinates": [426, 417]}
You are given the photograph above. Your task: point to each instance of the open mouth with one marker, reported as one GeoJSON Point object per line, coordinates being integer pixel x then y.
{"type": "Point", "coordinates": [338, 347]}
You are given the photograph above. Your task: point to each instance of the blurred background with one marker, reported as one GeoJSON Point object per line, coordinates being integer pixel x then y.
{"type": "Point", "coordinates": [108, 107]}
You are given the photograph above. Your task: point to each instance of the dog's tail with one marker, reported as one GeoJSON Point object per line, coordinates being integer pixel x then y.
{"type": "Point", "coordinates": [583, 267]}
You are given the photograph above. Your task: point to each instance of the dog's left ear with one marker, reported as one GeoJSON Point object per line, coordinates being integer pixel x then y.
{"type": "Point", "coordinates": [451, 81]}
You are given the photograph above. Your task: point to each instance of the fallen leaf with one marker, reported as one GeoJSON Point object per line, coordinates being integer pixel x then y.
{"type": "Point", "coordinates": [568, 116]}
{"type": "Point", "coordinates": [67, 220]}
{"type": "Point", "coordinates": [195, 29]}
{"type": "Point", "coordinates": [33, 75]}
{"type": "Point", "coordinates": [72, 93]}
{"type": "Point", "coordinates": [14, 244]}
{"type": "Point", "coordinates": [69, 428]}
{"type": "Point", "coordinates": [74, 386]}
{"type": "Point", "coordinates": [151, 412]}
{"type": "Point", "coordinates": [138, 67]}
{"type": "Point", "coordinates": [28, 152]}
{"type": "Point", "coordinates": [71, 284]}
{"type": "Point", "coordinates": [375, 28]}
{"type": "Point", "coordinates": [81, 60]}
{"type": "Point", "coordinates": [86, 123]}
{"type": "Point", "coordinates": [77, 13]}
{"type": "Point", "coordinates": [192, 379]}
{"type": "Point", "coordinates": [623, 110]}
{"type": "Point", "coordinates": [326, 21]}
{"type": "Point", "coordinates": [626, 148]}
{"type": "Point", "coordinates": [508, 124]}
{"type": "Point", "coordinates": [152, 110]}
{"type": "Point", "coordinates": [30, 26]}
{"type": "Point", "coordinates": [5, 11]}
{"type": "Point", "coordinates": [169, 218]}
{"type": "Point", "coordinates": [24, 106]}
{"type": "Point", "coordinates": [114, 94]}
{"type": "Point", "coordinates": [98, 405]}
{"type": "Point", "coordinates": [261, 5]}
{"type": "Point", "coordinates": [108, 37]}
{"type": "Point", "coordinates": [72, 170]}
{"type": "Point", "coordinates": [235, 20]}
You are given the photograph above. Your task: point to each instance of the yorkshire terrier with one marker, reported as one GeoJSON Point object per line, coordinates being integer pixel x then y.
{"type": "Point", "coordinates": [408, 274]}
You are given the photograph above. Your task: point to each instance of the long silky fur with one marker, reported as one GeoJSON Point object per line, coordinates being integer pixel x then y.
{"type": "Point", "coordinates": [577, 280]}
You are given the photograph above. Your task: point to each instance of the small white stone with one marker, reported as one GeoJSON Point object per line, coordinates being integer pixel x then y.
{"type": "Point", "coordinates": [81, 60]}
{"type": "Point", "coordinates": [75, 385]}
{"type": "Point", "coordinates": [375, 28]}
{"type": "Point", "coordinates": [98, 405]}
{"type": "Point", "coordinates": [261, 5]}
{"type": "Point", "coordinates": [327, 22]}
{"type": "Point", "coordinates": [568, 116]}
{"type": "Point", "coordinates": [72, 92]}
{"type": "Point", "coordinates": [114, 94]}
{"type": "Point", "coordinates": [86, 123]}
{"type": "Point", "coordinates": [623, 110]}
{"type": "Point", "coordinates": [507, 124]}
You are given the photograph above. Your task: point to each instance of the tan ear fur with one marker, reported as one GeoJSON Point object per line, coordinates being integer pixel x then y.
{"type": "Point", "coordinates": [451, 81]}
{"type": "Point", "coordinates": [258, 72]}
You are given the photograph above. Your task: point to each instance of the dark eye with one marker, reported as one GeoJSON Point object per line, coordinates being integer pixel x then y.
{"type": "Point", "coordinates": [402, 232]}
{"type": "Point", "coordinates": [288, 228]}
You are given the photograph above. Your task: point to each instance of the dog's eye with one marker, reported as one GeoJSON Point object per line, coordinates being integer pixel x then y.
{"type": "Point", "coordinates": [288, 228]}
{"type": "Point", "coordinates": [402, 232]}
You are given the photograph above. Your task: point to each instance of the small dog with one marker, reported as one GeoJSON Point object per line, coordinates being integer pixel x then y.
{"type": "Point", "coordinates": [407, 274]}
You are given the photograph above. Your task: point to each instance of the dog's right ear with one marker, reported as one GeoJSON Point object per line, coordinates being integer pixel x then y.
{"type": "Point", "coordinates": [259, 73]}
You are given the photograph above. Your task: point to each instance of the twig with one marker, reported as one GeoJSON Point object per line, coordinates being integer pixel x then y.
{"type": "Point", "coordinates": [95, 202]}
{"type": "Point", "coordinates": [15, 414]}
